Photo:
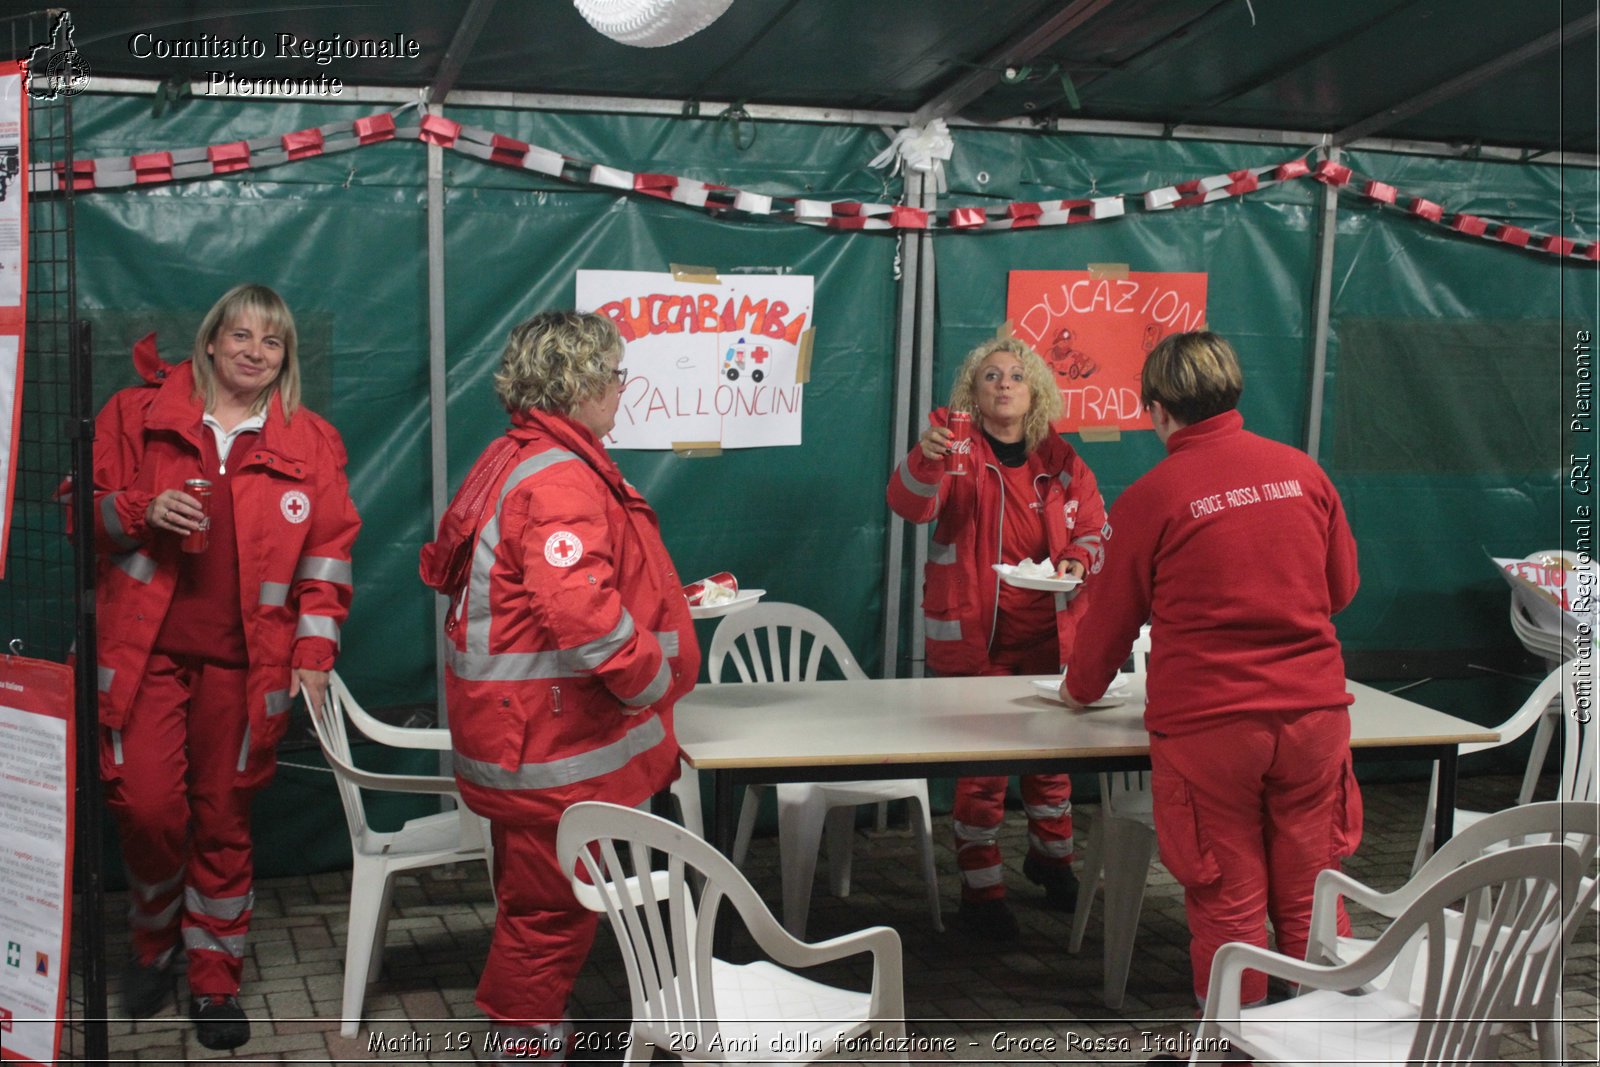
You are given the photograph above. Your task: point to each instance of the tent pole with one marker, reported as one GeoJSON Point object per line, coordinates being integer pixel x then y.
{"type": "Point", "coordinates": [1321, 310]}
{"type": "Point", "coordinates": [905, 346]}
{"type": "Point", "coordinates": [437, 397]}
{"type": "Point", "coordinates": [924, 404]}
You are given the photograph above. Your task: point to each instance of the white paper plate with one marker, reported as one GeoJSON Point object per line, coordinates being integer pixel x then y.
{"type": "Point", "coordinates": [1009, 575]}
{"type": "Point", "coordinates": [1115, 697]}
{"type": "Point", "coordinates": [741, 600]}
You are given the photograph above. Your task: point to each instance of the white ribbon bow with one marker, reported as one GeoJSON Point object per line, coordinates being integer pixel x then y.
{"type": "Point", "coordinates": [919, 148]}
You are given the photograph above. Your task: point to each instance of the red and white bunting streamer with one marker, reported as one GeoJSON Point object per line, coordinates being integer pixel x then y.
{"type": "Point", "coordinates": [186, 164]}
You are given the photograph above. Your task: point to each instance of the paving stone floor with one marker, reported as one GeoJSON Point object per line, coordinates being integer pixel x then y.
{"type": "Point", "coordinates": [956, 987]}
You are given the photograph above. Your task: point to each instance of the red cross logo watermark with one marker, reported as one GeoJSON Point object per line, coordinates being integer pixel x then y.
{"type": "Point", "coordinates": [563, 549]}
{"type": "Point", "coordinates": [296, 506]}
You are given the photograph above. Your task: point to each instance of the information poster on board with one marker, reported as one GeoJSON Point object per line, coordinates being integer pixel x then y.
{"type": "Point", "coordinates": [13, 284]}
{"type": "Point", "coordinates": [36, 809]}
{"type": "Point", "coordinates": [1094, 328]}
{"type": "Point", "coordinates": [711, 362]}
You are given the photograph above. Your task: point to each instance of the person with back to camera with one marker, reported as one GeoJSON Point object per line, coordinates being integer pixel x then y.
{"type": "Point", "coordinates": [1027, 495]}
{"type": "Point", "coordinates": [1237, 551]}
{"type": "Point", "coordinates": [202, 652]}
{"type": "Point", "coordinates": [569, 643]}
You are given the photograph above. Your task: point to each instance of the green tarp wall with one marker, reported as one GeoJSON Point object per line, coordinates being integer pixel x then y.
{"type": "Point", "coordinates": [1444, 379]}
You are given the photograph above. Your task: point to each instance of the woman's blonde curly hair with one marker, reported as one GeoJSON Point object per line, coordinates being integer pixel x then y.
{"type": "Point", "coordinates": [1044, 405]}
{"type": "Point", "coordinates": [556, 360]}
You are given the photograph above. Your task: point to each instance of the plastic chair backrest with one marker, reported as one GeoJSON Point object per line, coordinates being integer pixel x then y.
{"type": "Point", "coordinates": [328, 722]}
{"type": "Point", "coordinates": [1515, 901]}
{"type": "Point", "coordinates": [664, 934]}
{"type": "Point", "coordinates": [1532, 710]}
{"type": "Point", "coordinates": [796, 641]}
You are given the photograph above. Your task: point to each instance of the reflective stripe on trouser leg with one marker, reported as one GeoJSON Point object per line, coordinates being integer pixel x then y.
{"type": "Point", "coordinates": [979, 811]}
{"type": "Point", "coordinates": [1047, 800]}
{"type": "Point", "coordinates": [218, 896]}
{"type": "Point", "coordinates": [145, 769]}
{"type": "Point", "coordinates": [542, 935]}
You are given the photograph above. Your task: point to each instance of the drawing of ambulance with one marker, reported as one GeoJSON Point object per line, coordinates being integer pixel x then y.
{"type": "Point", "coordinates": [746, 358]}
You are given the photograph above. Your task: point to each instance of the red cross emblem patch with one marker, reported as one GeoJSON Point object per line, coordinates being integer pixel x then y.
{"type": "Point", "coordinates": [296, 506]}
{"type": "Point", "coordinates": [563, 549]}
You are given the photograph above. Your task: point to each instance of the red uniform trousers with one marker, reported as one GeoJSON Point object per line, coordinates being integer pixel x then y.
{"type": "Point", "coordinates": [1247, 814]}
{"type": "Point", "coordinates": [980, 805]}
{"type": "Point", "coordinates": [176, 782]}
{"type": "Point", "coordinates": [542, 935]}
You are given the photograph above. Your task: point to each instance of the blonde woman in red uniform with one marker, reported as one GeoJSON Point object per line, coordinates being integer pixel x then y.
{"type": "Point", "coordinates": [1237, 551]}
{"type": "Point", "coordinates": [1027, 495]}
{"type": "Point", "coordinates": [202, 652]}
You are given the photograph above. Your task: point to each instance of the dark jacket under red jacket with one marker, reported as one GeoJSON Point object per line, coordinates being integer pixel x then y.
{"type": "Point", "coordinates": [961, 590]}
{"type": "Point", "coordinates": [1237, 551]}
{"type": "Point", "coordinates": [571, 640]}
{"type": "Point", "coordinates": [295, 523]}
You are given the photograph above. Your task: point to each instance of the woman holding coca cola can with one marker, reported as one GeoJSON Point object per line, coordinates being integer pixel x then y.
{"type": "Point", "coordinates": [1001, 486]}
{"type": "Point", "coordinates": [224, 527]}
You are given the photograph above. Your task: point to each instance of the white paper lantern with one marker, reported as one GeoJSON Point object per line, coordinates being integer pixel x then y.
{"type": "Point", "coordinates": [650, 23]}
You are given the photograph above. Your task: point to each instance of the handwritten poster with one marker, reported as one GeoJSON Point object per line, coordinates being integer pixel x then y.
{"type": "Point", "coordinates": [709, 363]}
{"type": "Point", "coordinates": [1094, 329]}
{"type": "Point", "coordinates": [1559, 590]}
{"type": "Point", "coordinates": [36, 802]}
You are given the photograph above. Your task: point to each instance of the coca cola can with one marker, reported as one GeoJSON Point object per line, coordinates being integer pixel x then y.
{"type": "Point", "coordinates": [196, 540]}
{"type": "Point", "coordinates": [696, 591]}
{"type": "Point", "coordinates": [956, 460]}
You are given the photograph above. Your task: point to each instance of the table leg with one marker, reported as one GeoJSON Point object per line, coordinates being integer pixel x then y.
{"type": "Point", "coordinates": [1444, 799]}
{"type": "Point", "coordinates": [724, 822]}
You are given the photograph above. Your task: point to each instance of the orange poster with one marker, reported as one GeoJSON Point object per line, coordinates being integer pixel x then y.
{"type": "Point", "coordinates": [1094, 328]}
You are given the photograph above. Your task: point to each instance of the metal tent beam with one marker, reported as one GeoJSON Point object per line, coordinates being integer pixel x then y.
{"type": "Point", "coordinates": [461, 45]}
{"type": "Point", "coordinates": [975, 83]}
{"type": "Point", "coordinates": [1467, 81]}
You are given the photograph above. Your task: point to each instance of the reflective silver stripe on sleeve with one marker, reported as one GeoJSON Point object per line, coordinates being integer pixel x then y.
{"type": "Point", "coordinates": [317, 626]}
{"type": "Point", "coordinates": [136, 565]}
{"type": "Point", "coordinates": [913, 483]}
{"type": "Point", "coordinates": [591, 654]}
{"type": "Point", "coordinates": [116, 747]}
{"type": "Point", "coordinates": [941, 629]}
{"type": "Point", "coordinates": [113, 521]}
{"type": "Point", "coordinates": [654, 691]}
{"type": "Point", "coordinates": [105, 675]}
{"type": "Point", "coordinates": [579, 768]}
{"type": "Point", "coordinates": [489, 540]}
{"type": "Point", "coordinates": [278, 701]}
{"type": "Point", "coordinates": [244, 750]}
{"type": "Point", "coordinates": [274, 594]}
{"type": "Point", "coordinates": [941, 554]}
{"type": "Point", "coordinates": [196, 939]}
{"type": "Point", "coordinates": [325, 569]}
{"type": "Point", "coordinates": [1061, 601]}
{"type": "Point", "coordinates": [1065, 478]}
{"type": "Point", "coordinates": [217, 907]}
{"type": "Point", "coordinates": [1095, 543]}
{"type": "Point", "coordinates": [668, 640]}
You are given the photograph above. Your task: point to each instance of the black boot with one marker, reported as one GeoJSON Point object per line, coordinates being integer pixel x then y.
{"type": "Point", "coordinates": [219, 1022]}
{"type": "Point", "coordinates": [146, 987]}
{"type": "Point", "coordinates": [1060, 884]}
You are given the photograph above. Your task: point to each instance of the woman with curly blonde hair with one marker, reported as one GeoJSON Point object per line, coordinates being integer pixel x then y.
{"type": "Point", "coordinates": [1027, 495]}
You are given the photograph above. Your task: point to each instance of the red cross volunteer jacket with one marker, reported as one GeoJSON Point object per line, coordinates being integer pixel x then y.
{"type": "Point", "coordinates": [960, 588]}
{"type": "Point", "coordinates": [569, 635]}
{"type": "Point", "coordinates": [296, 527]}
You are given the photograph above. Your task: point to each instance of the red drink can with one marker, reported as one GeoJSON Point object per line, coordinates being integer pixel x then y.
{"type": "Point", "coordinates": [200, 489]}
{"type": "Point", "coordinates": [696, 591]}
{"type": "Point", "coordinates": [955, 460]}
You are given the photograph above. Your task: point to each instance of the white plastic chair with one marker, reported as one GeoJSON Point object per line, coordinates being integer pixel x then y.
{"type": "Point", "coordinates": [1551, 647]}
{"type": "Point", "coordinates": [1556, 688]}
{"type": "Point", "coordinates": [426, 841]}
{"type": "Point", "coordinates": [796, 641]}
{"type": "Point", "coordinates": [1121, 847]}
{"type": "Point", "coordinates": [1573, 823]}
{"type": "Point", "coordinates": [686, 1001]}
{"type": "Point", "coordinates": [1515, 899]}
